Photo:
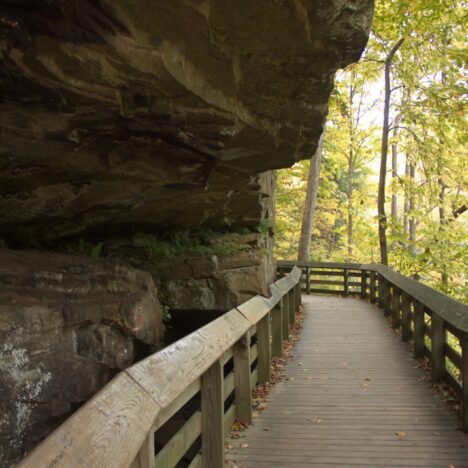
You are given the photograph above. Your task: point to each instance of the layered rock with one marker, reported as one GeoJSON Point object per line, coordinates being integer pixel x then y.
{"type": "Point", "coordinates": [159, 113]}
{"type": "Point", "coordinates": [153, 116]}
{"type": "Point", "coordinates": [67, 325]}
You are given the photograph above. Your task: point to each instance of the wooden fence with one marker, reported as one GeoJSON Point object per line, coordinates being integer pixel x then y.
{"type": "Point", "coordinates": [435, 323]}
{"type": "Point", "coordinates": [208, 376]}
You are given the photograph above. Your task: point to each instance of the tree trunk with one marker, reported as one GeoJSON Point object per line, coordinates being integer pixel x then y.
{"type": "Point", "coordinates": [349, 191]}
{"type": "Point", "coordinates": [310, 203]}
{"type": "Point", "coordinates": [412, 206]}
{"type": "Point", "coordinates": [383, 158]}
{"type": "Point", "coordinates": [406, 203]}
{"type": "Point", "coordinates": [442, 225]}
{"type": "Point", "coordinates": [395, 174]}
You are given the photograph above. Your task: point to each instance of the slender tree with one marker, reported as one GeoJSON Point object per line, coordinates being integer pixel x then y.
{"type": "Point", "coordinates": [384, 153]}
{"type": "Point", "coordinates": [310, 203]}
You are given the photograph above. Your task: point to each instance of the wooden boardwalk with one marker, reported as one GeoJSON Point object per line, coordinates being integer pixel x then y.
{"type": "Point", "coordinates": [354, 397]}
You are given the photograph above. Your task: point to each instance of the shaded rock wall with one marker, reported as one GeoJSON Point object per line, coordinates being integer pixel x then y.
{"type": "Point", "coordinates": [153, 116]}
{"type": "Point", "coordinates": [67, 325]}
{"type": "Point", "coordinates": [159, 113]}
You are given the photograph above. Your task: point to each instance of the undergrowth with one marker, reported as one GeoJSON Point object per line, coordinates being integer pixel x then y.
{"type": "Point", "coordinates": [195, 243]}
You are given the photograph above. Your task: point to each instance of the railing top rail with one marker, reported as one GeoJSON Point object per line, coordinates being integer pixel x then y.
{"type": "Point", "coordinates": [110, 429]}
{"type": "Point", "coordinates": [452, 311]}
{"type": "Point", "coordinates": [292, 263]}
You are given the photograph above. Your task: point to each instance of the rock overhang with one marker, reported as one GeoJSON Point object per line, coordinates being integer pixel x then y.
{"type": "Point", "coordinates": [160, 113]}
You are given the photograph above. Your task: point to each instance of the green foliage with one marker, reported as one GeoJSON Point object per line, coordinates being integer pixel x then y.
{"type": "Point", "coordinates": [83, 247]}
{"type": "Point", "coordinates": [195, 243]}
{"type": "Point", "coordinates": [429, 97]}
{"type": "Point", "coordinates": [264, 227]}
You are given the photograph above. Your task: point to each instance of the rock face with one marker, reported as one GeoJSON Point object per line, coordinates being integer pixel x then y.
{"type": "Point", "coordinates": [154, 116]}
{"type": "Point", "coordinates": [159, 113]}
{"type": "Point", "coordinates": [67, 325]}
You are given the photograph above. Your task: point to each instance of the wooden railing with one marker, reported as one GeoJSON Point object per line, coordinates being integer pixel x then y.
{"type": "Point", "coordinates": [204, 380]}
{"type": "Point", "coordinates": [435, 323]}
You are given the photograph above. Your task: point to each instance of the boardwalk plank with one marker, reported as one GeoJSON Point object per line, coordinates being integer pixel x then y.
{"type": "Point", "coordinates": [352, 386]}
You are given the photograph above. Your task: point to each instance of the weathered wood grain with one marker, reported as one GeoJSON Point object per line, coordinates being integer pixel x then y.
{"type": "Point", "coordinates": [437, 348]}
{"type": "Point", "coordinates": [182, 440]}
{"type": "Point", "coordinates": [212, 417]}
{"type": "Point", "coordinates": [243, 390]}
{"type": "Point", "coordinates": [349, 390]}
{"type": "Point", "coordinates": [108, 431]}
{"type": "Point", "coordinates": [166, 374]}
{"type": "Point", "coordinates": [264, 349]}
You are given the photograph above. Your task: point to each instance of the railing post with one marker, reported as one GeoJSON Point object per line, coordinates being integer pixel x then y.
{"type": "Point", "coordinates": [363, 284]}
{"type": "Point", "coordinates": [298, 294]}
{"type": "Point", "coordinates": [243, 390]}
{"type": "Point", "coordinates": [146, 455]}
{"type": "Point", "coordinates": [346, 282]}
{"type": "Point", "coordinates": [292, 308]}
{"type": "Point", "coordinates": [395, 307]}
{"type": "Point", "coordinates": [264, 349]}
{"type": "Point", "coordinates": [308, 280]}
{"type": "Point", "coordinates": [405, 317]}
{"type": "Point", "coordinates": [381, 291]}
{"type": "Point", "coordinates": [285, 316]}
{"type": "Point", "coordinates": [277, 330]}
{"type": "Point", "coordinates": [464, 371]}
{"type": "Point", "coordinates": [386, 297]}
{"type": "Point", "coordinates": [212, 416]}
{"type": "Point", "coordinates": [438, 347]}
{"type": "Point", "coordinates": [372, 287]}
{"type": "Point", "coordinates": [418, 333]}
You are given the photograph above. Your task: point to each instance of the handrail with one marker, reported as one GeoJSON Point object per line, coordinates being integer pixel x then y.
{"type": "Point", "coordinates": [116, 428]}
{"type": "Point", "coordinates": [451, 310]}
{"type": "Point", "coordinates": [431, 319]}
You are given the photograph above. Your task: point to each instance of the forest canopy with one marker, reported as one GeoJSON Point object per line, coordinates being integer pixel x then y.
{"type": "Point", "coordinates": [422, 46]}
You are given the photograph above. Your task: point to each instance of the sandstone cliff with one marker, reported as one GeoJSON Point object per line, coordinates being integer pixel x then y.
{"type": "Point", "coordinates": [127, 118]}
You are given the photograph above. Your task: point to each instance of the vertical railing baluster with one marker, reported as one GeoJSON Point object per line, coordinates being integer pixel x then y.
{"type": "Point", "coordinates": [395, 307]}
{"type": "Point", "coordinates": [438, 347]}
{"type": "Point", "coordinates": [381, 291]}
{"type": "Point", "coordinates": [464, 372]}
{"type": "Point", "coordinates": [292, 307]}
{"type": "Point", "coordinates": [405, 317]}
{"type": "Point", "coordinates": [277, 330]}
{"type": "Point", "coordinates": [363, 284]}
{"type": "Point", "coordinates": [418, 332]}
{"type": "Point", "coordinates": [308, 279]}
{"type": "Point", "coordinates": [146, 455]}
{"type": "Point", "coordinates": [346, 282]}
{"type": "Point", "coordinates": [372, 287]}
{"type": "Point", "coordinates": [386, 288]}
{"type": "Point", "coordinates": [264, 349]}
{"type": "Point", "coordinates": [285, 316]}
{"type": "Point", "coordinates": [212, 416]}
{"type": "Point", "coordinates": [243, 390]}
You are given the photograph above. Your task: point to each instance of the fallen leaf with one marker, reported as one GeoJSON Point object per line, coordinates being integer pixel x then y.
{"type": "Point", "coordinates": [266, 429]}
{"type": "Point", "coordinates": [451, 466]}
{"type": "Point", "coordinates": [244, 445]}
{"type": "Point", "coordinates": [400, 433]}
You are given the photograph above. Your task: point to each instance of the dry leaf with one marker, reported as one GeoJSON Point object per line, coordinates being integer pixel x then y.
{"type": "Point", "coordinates": [400, 433]}
{"type": "Point", "coordinates": [244, 445]}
